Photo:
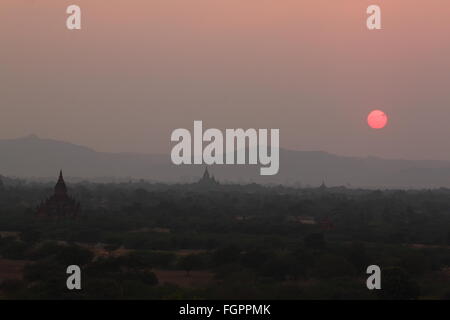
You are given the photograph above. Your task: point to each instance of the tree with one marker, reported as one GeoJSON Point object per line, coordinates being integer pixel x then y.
{"type": "Point", "coordinates": [226, 255]}
{"type": "Point", "coordinates": [73, 254]}
{"type": "Point", "coordinates": [396, 284]}
{"type": "Point", "coordinates": [191, 262]}
{"type": "Point", "coordinates": [315, 241]}
{"type": "Point", "coordinates": [30, 235]}
{"type": "Point", "coordinates": [331, 266]}
{"type": "Point", "coordinates": [358, 256]}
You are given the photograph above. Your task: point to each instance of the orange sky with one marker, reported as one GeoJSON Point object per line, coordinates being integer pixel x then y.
{"type": "Point", "coordinates": [141, 68]}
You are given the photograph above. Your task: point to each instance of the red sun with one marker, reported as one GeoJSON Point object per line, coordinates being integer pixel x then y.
{"type": "Point", "coordinates": [377, 119]}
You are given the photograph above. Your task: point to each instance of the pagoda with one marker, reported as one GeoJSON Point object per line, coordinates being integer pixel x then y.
{"type": "Point", "coordinates": [60, 204]}
{"type": "Point", "coordinates": [207, 180]}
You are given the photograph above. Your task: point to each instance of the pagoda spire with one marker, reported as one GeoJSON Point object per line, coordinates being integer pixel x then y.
{"type": "Point", "coordinates": [60, 187]}
{"type": "Point", "coordinates": [207, 179]}
{"type": "Point", "coordinates": [206, 173]}
{"type": "Point", "coordinates": [60, 204]}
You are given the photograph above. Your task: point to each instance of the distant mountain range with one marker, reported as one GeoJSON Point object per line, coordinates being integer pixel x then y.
{"type": "Point", "coordinates": [32, 156]}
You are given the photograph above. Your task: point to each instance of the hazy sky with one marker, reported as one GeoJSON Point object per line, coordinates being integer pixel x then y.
{"type": "Point", "coordinates": [142, 68]}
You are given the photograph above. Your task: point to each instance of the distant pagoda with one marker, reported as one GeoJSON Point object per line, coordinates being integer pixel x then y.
{"type": "Point", "coordinates": [207, 179]}
{"type": "Point", "coordinates": [60, 204]}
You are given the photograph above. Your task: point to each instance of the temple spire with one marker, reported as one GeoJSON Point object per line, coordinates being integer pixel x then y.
{"type": "Point", "coordinates": [60, 204]}
{"type": "Point", "coordinates": [207, 179]}
{"type": "Point", "coordinates": [60, 187]}
{"type": "Point", "coordinates": [206, 173]}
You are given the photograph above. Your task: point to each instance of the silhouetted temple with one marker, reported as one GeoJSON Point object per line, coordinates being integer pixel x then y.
{"type": "Point", "coordinates": [207, 179]}
{"type": "Point", "coordinates": [60, 204]}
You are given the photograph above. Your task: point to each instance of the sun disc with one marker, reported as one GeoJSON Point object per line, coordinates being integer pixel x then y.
{"type": "Point", "coordinates": [377, 119]}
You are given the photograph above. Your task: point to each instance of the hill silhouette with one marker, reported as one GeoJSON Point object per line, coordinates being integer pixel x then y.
{"type": "Point", "coordinates": [32, 156]}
